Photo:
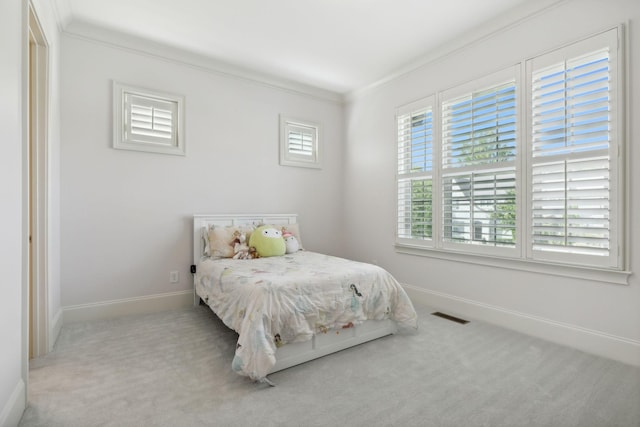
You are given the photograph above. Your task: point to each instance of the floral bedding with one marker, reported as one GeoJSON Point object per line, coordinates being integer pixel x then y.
{"type": "Point", "coordinates": [278, 300]}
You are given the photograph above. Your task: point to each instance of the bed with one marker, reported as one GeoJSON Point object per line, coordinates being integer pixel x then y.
{"type": "Point", "coordinates": [294, 308]}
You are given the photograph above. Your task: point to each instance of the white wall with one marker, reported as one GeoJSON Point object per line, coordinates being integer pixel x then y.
{"type": "Point", "coordinates": [598, 317]}
{"type": "Point", "coordinates": [12, 362]}
{"type": "Point", "coordinates": [126, 216]}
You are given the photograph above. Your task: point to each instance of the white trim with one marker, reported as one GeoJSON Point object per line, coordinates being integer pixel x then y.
{"type": "Point", "coordinates": [128, 306]}
{"type": "Point", "coordinates": [62, 13]}
{"type": "Point", "coordinates": [55, 325]}
{"type": "Point", "coordinates": [618, 277]}
{"type": "Point", "coordinates": [591, 341]}
{"type": "Point", "coordinates": [24, 221]}
{"type": "Point", "coordinates": [38, 187]}
{"type": "Point", "coordinates": [624, 132]}
{"type": "Point", "coordinates": [140, 46]}
{"type": "Point", "coordinates": [509, 20]}
{"type": "Point", "coordinates": [15, 406]}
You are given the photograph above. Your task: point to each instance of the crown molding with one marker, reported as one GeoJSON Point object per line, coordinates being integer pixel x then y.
{"type": "Point", "coordinates": [481, 33]}
{"type": "Point", "coordinates": [118, 40]}
{"type": "Point", "coordinates": [62, 13]}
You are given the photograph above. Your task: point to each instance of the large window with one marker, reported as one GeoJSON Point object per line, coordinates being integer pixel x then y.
{"type": "Point", "coordinates": [521, 170]}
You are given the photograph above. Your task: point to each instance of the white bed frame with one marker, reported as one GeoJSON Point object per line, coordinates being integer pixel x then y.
{"type": "Point", "coordinates": [320, 345]}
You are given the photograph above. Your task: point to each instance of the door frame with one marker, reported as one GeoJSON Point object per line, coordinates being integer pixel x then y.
{"type": "Point", "coordinates": [38, 191]}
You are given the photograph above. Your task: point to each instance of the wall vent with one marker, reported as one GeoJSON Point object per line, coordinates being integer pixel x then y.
{"type": "Point", "coordinates": [449, 317]}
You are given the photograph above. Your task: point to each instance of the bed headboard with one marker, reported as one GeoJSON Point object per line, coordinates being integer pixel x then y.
{"type": "Point", "coordinates": [203, 220]}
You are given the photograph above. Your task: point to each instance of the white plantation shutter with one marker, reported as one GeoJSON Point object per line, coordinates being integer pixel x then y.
{"type": "Point", "coordinates": [415, 169]}
{"type": "Point", "coordinates": [480, 128]}
{"type": "Point", "coordinates": [301, 140]}
{"type": "Point", "coordinates": [571, 106]}
{"type": "Point", "coordinates": [299, 143]}
{"type": "Point", "coordinates": [571, 206]}
{"type": "Point", "coordinates": [146, 120]}
{"type": "Point", "coordinates": [473, 180]}
{"type": "Point", "coordinates": [479, 208]}
{"type": "Point", "coordinates": [479, 164]}
{"type": "Point", "coordinates": [415, 136]}
{"type": "Point", "coordinates": [150, 120]}
{"type": "Point", "coordinates": [573, 153]}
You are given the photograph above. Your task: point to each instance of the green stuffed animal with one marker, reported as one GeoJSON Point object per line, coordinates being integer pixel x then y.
{"type": "Point", "coordinates": [268, 241]}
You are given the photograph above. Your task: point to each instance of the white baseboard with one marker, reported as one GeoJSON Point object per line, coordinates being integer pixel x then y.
{"type": "Point", "coordinates": [55, 325]}
{"type": "Point", "coordinates": [617, 348]}
{"type": "Point", "coordinates": [125, 307]}
{"type": "Point", "coordinates": [14, 408]}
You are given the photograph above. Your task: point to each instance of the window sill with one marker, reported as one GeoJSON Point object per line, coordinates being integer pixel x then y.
{"type": "Point", "coordinates": [617, 277]}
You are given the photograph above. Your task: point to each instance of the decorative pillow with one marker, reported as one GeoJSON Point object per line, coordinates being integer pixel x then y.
{"type": "Point", "coordinates": [268, 241]}
{"type": "Point", "coordinates": [223, 240]}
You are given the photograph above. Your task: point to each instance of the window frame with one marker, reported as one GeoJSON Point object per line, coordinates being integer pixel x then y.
{"type": "Point", "coordinates": [123, 136]}
{"type": "Point", "coordinates": [289, 158]}
{"type": "Point", "coordinates": [522, 258]}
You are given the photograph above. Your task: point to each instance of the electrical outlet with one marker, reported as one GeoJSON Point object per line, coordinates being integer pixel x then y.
{"type": "Point", "coordinates": [174, 276]}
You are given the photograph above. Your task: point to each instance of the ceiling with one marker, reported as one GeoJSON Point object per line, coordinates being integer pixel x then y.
{"type": "Point", "coordinates": [335, 45]}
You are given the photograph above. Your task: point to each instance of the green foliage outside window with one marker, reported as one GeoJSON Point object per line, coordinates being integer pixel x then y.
{"type": "Point", "coordinates": [421, 208]}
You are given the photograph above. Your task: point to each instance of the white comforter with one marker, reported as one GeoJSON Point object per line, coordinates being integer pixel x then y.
{"type": "Point", "coordinates": [278, 300]}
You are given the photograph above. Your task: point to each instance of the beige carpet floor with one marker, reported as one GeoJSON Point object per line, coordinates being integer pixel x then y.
{"type": "Point", "coordinates": [173, 369]}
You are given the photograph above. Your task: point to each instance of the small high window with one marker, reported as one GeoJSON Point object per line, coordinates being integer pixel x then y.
{"type": "Point", "coordinates": [146, 120]}
{"type": "Point", "coordinates": [299, 143]}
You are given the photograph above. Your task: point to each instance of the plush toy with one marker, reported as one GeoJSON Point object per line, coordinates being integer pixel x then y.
{"type": "Point", "coordinates": [240, 248]}
{"type": "Point", "coordinates": [238, 241]}
{"type": "Point", "coordinates": [290, 241]}
{"type": "Point", "coordinates": [268, 241]}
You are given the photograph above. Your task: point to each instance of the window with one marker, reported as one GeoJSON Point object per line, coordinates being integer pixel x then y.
{"type": "Point", "coordinates": [147, 120]}
{"type": "Point", "coordinates": [479, 164]}
{"type": "Point", "coordinates": [415, 171]}
{"type": "Point", "coordinates": [573, 153]}
{"type": "Point", "coordinates": [299, 143]}
{"type": "Point", "coordinates": [473, 179]}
